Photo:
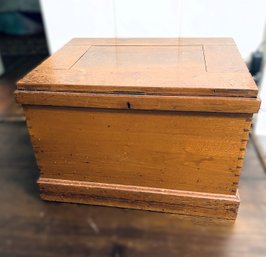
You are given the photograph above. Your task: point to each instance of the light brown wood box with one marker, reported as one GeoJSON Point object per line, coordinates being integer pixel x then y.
{"type": "Point", "coordinates": [153, 124]}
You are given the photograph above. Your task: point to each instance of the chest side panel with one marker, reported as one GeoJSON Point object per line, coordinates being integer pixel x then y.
{"type": "Point", "coordinates": [183, 151]}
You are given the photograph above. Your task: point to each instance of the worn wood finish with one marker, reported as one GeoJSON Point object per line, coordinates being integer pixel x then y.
{"type": "Point", "coordinates": [136, 197]}
{"type": "Point", "coordinates": [192, 152]}
{"type": "Point", "coordinates": [140, 102]}
{"type": "Point", "coordinates": [202, 155]}
{"type": "Point", "coordinates": [149, 66]}
{"type": "Point", "coordinates": [157, 125]}
{"type": "Point", "coordinates": [31, 227]}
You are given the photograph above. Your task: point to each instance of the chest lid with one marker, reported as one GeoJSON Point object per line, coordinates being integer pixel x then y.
{"type": "Point", "coordinates": [145, 66]}
{"type": "Point", "coordinates": [187, 67]}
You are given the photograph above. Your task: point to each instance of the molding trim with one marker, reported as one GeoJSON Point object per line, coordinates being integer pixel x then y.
{"type": "Point", "coordinates": [136, 197]}
{"type": "Point", "coordinates": [140, 102]}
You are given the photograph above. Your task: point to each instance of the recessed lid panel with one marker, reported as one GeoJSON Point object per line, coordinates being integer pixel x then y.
{"type": "Point", "coordinates": [107, 59]}
{"type": "Point", "coordinates": [145, 66]}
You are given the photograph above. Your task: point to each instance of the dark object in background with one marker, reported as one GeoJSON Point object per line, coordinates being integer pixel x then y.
{"type": "Point", "coordinates": [255, 65]}
{"type": "Point", "coordinates": [21, 23]}
{"type": "Point", "coordinates": [20, 17]}
{"type": "Point", "coordinates": [256, 62]}
{"type": "Point", "coordinates": [22, 46]}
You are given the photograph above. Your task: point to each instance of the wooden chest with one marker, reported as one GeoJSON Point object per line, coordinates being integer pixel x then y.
{"type": "Point", "coordinates": [154, 124]}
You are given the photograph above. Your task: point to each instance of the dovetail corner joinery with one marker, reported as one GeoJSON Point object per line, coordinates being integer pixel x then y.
{"type": "Point", "coordinates": [152, 124]}
{"type": "Point", "coordinates": [193, 152]}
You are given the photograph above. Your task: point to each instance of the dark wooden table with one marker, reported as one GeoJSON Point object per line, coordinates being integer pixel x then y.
{"type": "Point", "coordinates": [31, 227]}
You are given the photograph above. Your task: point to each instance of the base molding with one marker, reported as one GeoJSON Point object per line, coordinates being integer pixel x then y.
{"type": "Point", "coordinates": [137, 197]}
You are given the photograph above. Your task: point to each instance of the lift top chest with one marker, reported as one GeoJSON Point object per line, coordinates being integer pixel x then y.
{"type": "Point", "coordinates": [156, 124]}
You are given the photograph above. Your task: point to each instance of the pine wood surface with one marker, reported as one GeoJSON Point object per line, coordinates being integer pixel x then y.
{"type": "Point", "coordinates": [32, 227]}
{"type": "Point", "coordinates": [192, 152]}
{"type": "Point", "coordinates": [163, 123]}
{"type": "Point", "coordinates": [155, 154]}
{"type": "Point", "coordinates": [144, 198]}
{"type": "Point", "coordinates": [147, 66]}
{"type": "Point", "coordinates": [140, 102]}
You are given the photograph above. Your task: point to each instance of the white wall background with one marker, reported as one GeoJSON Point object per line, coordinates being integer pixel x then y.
{"type": "Point", "coordinates": [241, 19]}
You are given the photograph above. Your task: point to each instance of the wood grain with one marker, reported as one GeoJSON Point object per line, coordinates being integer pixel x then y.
{"type": "Point", "coordinates": [167, 117]}
{"type": "Point", "coordinates": [191, 67]}
{"type": "Point", "coordinates": [136, 197]}
{"type": "Point", "coordinates": [31, 227]}
{"type": "Point", "coordinates": [140, 102]}
{"type": "Point", "coordinates": [193, 152]}
{"type": "Point", "coordinates": [65, 58]}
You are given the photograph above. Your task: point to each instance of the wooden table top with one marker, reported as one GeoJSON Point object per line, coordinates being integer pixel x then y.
{"type": "Point", "coordinates": [31, 227]}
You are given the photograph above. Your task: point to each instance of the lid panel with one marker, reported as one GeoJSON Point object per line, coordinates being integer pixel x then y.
{"type": "Point", "coordinates": [223, 59]}
{"type": "Point", "coordinates": [204, 67]}
{"type": "Point", "coordinates": [65, 58]}
{"type": "Point", "coordinates": [230, 84]}
{"type": "Point", "coordinates": [139, 58]}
